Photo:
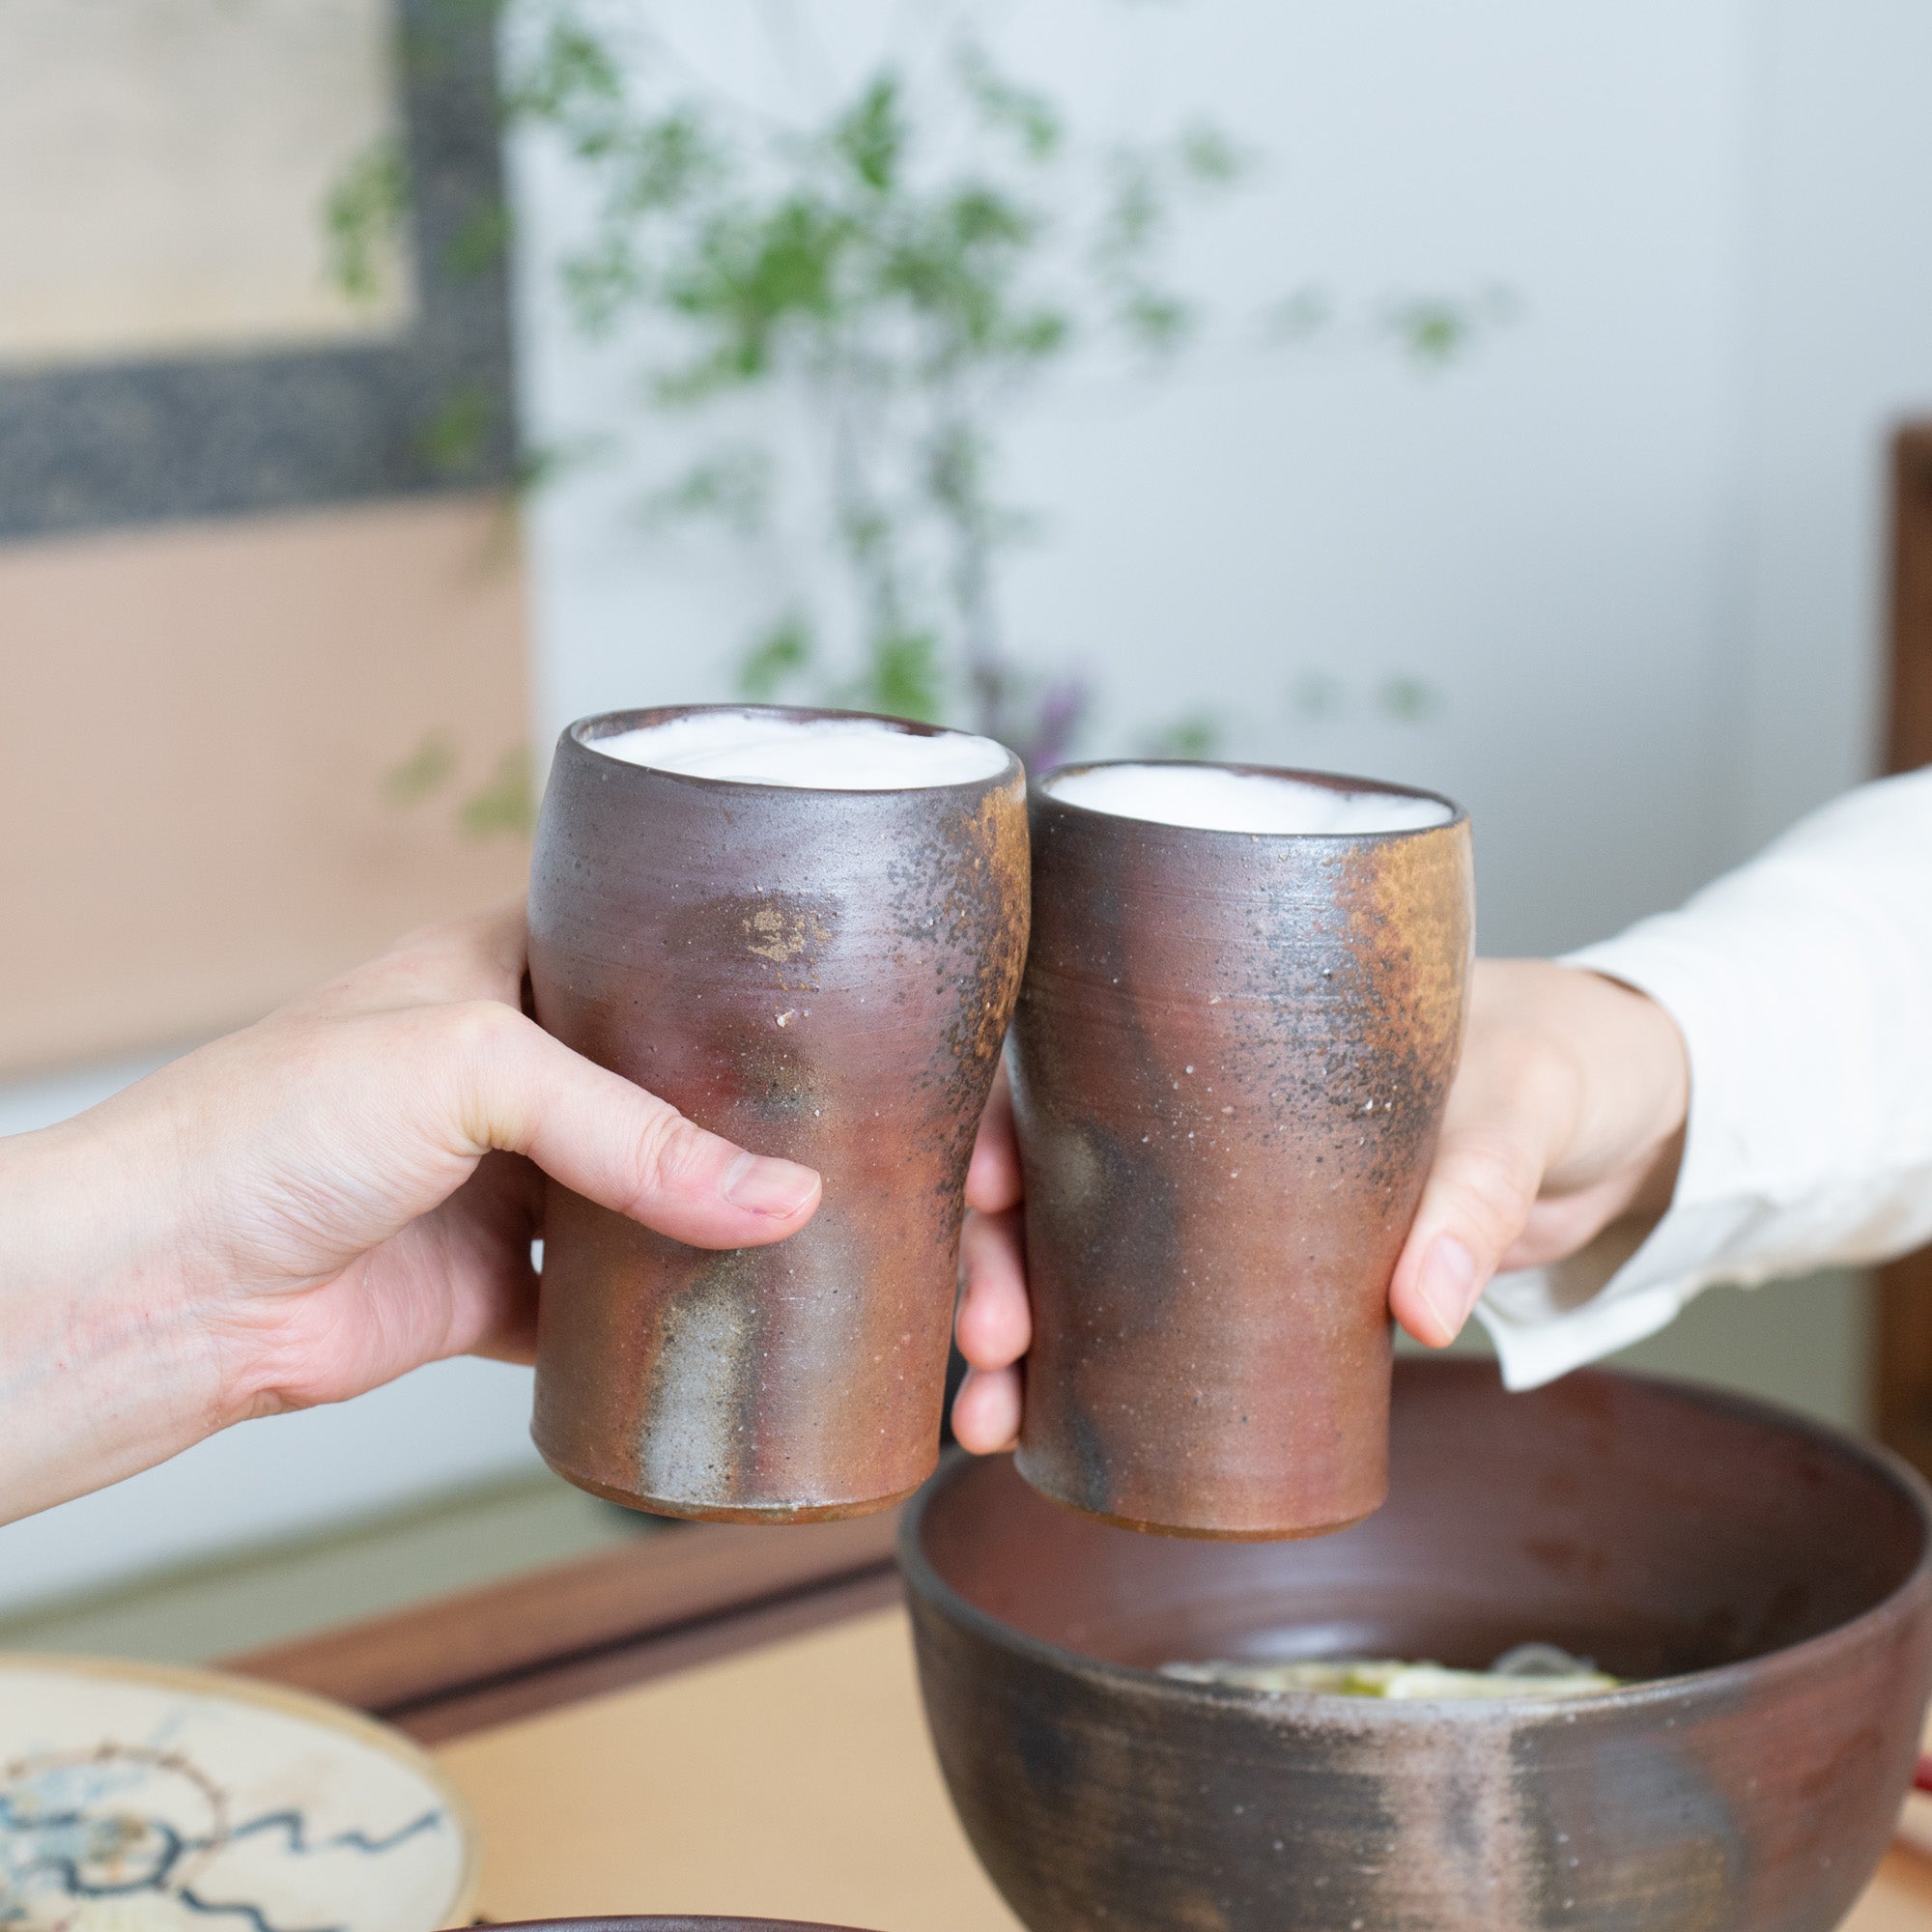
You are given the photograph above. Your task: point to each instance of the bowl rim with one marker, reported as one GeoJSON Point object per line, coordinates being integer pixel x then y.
{"type": "Point", "coordinates": [1039, 796]}
{"type": "Point", "coordinates": [924, 1584]}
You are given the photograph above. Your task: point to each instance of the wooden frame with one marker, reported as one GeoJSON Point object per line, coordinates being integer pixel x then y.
{"type": "Point", "coordinates": [107, 445]}
{"type": "Point", "coordinates": [1902, 1365]}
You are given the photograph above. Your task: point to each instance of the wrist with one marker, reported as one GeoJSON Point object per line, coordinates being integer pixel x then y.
{"type": "Point", "coordinates": [1643, 1077]}
{"type": "Point", "coordinates": [103, 1366]}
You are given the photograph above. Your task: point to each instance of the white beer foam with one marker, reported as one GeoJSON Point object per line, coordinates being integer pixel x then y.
{"type": "Point", "coordinates": [1212, 799]}
{"type": "Point", "coordinates": [811, 753]}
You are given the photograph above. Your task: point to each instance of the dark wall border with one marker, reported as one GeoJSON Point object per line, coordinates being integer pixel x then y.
{"type": "Point", "coordinates": [106, 444]}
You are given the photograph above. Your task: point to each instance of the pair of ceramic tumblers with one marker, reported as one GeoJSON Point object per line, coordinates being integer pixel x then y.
{"type": "Point", "coordinates": [1230, 1050]}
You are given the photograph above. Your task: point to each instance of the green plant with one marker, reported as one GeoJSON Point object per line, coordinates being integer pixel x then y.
{"type": "Point", "coordinates": [360, 217]}
{"type": "Point", "coordinates": [847, 314]}
{"type": "Point", "coordinates": [899, 276]}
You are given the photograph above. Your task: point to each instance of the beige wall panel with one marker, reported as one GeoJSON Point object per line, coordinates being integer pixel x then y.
{"type": "Point", "coordinates": [195, 728]}
{"type": "Point", "coordinates": [166, 164]}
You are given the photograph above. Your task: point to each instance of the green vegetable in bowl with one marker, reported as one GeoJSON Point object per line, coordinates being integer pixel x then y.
{"type": "Point", "coordinates": [1529, 1670]}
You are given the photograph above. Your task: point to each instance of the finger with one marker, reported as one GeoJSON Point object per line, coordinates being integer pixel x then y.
{"type": "Point", "coordinates": [511, 1333]}
{"type": "Point", "coordinates": [995, 1319]}
{"type": "Point", "coordinates": [480, 1257]}
{"type": "Point", "coordinates": [993, 1179]}
{"type": "Point", "coordinates": [612, 1142]}
{"type": "Point", "coordinates": [1475, 1204]}
{"type": "Point", "coordinates": [986, 1411]}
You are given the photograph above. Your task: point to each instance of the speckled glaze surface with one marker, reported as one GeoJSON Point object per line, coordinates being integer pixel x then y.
{"type": "Point", "coordinates": [824, 976]}
{"type": "Point", "coordinates": [1229, 1061]}
{"type": "Point", "coordinates": [1769, 1575]}
{"type": "Point", "coordinates": [669, 1926]}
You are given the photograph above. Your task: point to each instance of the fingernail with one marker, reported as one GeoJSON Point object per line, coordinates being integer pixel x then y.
{"type": "Point", "coordinates": [1448, 1284]}
{"type": "Point", "coordinates": [763, 1186]}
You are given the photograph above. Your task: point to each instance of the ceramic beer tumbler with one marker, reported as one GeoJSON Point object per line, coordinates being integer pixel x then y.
{"type": "Point", "coordinates": [1242, 1008]}
{"type": "Point", "coordinates": [805, 931]}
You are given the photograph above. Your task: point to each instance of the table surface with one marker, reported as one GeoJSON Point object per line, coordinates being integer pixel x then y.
{"type": "Point", "coordinates": [791, 1781]}
{"type": "Point", "coordinates": [722, 1720]}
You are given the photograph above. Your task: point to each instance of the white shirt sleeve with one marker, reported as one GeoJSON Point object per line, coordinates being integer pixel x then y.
{"type": "Point", "coordinates": [1803, 986]}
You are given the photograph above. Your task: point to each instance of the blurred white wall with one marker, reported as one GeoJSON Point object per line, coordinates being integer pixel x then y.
{"type": "Point", "coordinates": [1635, 540]}
{"type": "Point", "coordinates": [1837, 349]}
{"type": "Point", "coordinates": [1547, 533]}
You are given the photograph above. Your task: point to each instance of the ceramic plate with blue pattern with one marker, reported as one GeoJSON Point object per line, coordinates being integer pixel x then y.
{"type": "Point", "coordinates": [139, 1798]}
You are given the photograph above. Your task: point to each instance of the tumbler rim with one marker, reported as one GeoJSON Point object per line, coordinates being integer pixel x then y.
{"type": "Point", "coordinates": [581, 733]}
{"type": "Point", "coordinates": [1037, 787]}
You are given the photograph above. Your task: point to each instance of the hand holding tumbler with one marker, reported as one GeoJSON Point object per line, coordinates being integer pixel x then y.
{"type": "Point", "coordinates": [1243, 1010]}
{"type": "Point", "coordinates": [805, 931]}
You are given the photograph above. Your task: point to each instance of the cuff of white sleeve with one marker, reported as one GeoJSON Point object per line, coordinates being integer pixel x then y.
{"type": "Point", "coordinates": [1625, 1285]}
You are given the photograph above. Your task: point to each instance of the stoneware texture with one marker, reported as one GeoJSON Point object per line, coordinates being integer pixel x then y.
{"type": "Point", "coordinates": [1768, 1576]}
{"type": "Point", "coordinates": [1229, 1063]}
{"type": "Point", "coordinates": [824, 976]}
{"type": "Point", "coordinates": [668, 1925]}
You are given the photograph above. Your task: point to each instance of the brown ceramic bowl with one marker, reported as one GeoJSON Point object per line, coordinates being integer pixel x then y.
{"type": "Point", "coordinates": [1229, 1063]}
{"type": "Point", "coordinates": [701, 1925]}
{"type": "Point", "coordinates": [815, 974]}
{"type": "Point", "coordinates": [1765, 1578]}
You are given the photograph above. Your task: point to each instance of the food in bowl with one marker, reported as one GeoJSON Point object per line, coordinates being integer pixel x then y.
{"type": "Point", "coordinates": [1525, 1670]}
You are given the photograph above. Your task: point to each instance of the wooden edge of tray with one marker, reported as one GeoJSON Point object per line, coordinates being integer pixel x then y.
{"type": "Point", "coordinates": [484, 1656]}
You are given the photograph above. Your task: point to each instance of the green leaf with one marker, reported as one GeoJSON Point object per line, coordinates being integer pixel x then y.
{"type": "Point", "coordinates": [572, 74]}
{"type": "Point", "coordinates": [1409, 698]}
{"type": "Point", "coordinates": [733, 485]}
{"type": "Point", "coordinates": [506, 805]}
{"type": "Point", "coordinates": [745, 278]}
{"type": "Point", "coordinates": [955, 467]}
{"type": "Point", "coordinates": [870, 136]}
{"type": "Point", "coordinates": [481, 240]}
{"type": "Point", "coordinates": [1435, 331]}
{"type": "Point", "coordinates": [362, 219]}
{"type": "Point", "coordinates": [1023, 112]}
{"type": "Point", "coordinates": [1041, 334]}
{"type": "Point", "coordinates": [1198, 734]}
{"type": "Point", "coordinates": [1135, 215]}
{"type": "Point", "coordinates": [426, 770]}
{"type": "Point", "coordinates": [539, 464]}
{"type": "Point", "coordinates": [1431, 330]}
{"type": "Point", "coordinates": [603, 280]}
{"type": "Point", "coordinates": [904, 677]}
{"type": "Point", "coordinates": [1156, 321]}
{"type": "Point", "coordinates": [1210, 158]}
{"type": "Point", "coordinates": [866, 530]}
{"type": "Point", "coordinates": [666, 164]}
{"type": "Point", "coordinates": [453, 439]}
{"type": "Point", "coordinates": [953, 261]}
{"type": "Point", "coordinates": [784, 653]}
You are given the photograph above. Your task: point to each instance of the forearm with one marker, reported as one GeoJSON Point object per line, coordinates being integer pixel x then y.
{"type": "Point", "coordinates": [106, 1365]}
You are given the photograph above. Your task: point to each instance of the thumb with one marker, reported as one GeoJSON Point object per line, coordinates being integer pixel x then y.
{"type": "Point", "coordinates": [1477, 1201]}
{"type": "Point", "coordinates": [607, 1139]}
